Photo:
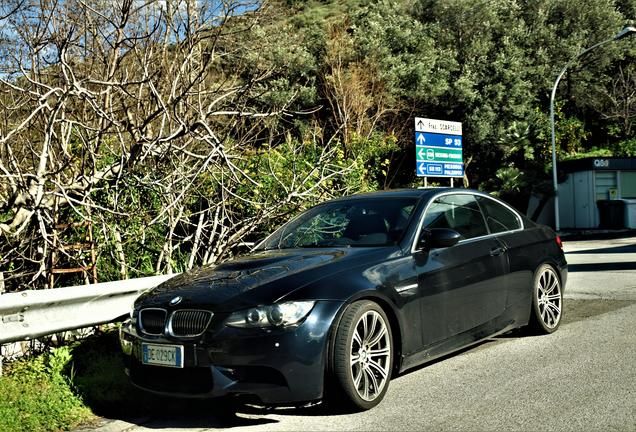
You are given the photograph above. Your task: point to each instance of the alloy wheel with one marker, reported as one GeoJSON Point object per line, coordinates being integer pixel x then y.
{"type": "Point", "coordinates": [549, 299]}
{"type": "Point", "coordinates": [370, 355]}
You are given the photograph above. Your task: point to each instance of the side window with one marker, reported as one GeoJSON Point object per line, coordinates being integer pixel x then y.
{"type": "Point", "coordinates": [498, 217]}
{"type": "Point", "coordinates": [458, 212]}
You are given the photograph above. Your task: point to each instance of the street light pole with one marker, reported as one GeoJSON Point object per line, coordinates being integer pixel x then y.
{"type": "Point", "coordinates": [627, 31]}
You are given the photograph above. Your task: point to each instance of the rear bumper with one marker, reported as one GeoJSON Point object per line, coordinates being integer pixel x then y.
{"type": "Point", "coordinates": [274, 365]}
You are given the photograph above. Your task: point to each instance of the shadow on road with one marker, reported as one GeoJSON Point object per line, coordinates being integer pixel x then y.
{"type": "Point", "coordinates": [210, 414]}
{"type": "Point", "coordinates": [598, 235]}
{"type": "Point", "coordinates": [578, 310]}
{"type": "Point", "coordinates": [98, 375]}
{"type": "Point", "coordinates": [600, 267]}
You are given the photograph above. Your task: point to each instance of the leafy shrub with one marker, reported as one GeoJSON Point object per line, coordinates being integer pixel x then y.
{"type": "Point", "coordinates": [37, 395]}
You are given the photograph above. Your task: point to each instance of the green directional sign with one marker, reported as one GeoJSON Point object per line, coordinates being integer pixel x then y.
{"type": "Point", "coordinates": [438, 154]}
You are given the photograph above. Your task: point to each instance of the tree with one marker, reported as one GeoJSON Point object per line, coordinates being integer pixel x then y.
{"type": "Point", "coordinates": [126, 114]}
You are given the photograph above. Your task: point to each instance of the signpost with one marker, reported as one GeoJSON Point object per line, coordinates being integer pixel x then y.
{"type": "Point", "coordinates": [438, 148]}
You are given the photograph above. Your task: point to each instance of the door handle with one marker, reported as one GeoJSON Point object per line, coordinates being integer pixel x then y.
{"type": "Point", "coordinates": [497, 251]}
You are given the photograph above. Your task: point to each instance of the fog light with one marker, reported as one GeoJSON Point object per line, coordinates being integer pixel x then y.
{"type": "Point", "coordinates": [126, 345]}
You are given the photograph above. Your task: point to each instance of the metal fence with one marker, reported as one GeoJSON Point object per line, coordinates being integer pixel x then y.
{"type": "Point", "coordinates": [30, 314]}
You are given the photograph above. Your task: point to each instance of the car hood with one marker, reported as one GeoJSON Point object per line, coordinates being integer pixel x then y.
{"type": "Point", "coordinates": [259, 278]}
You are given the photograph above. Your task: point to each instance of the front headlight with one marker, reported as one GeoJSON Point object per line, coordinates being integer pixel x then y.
{"type": "Point", "coordinates": [279, 315]}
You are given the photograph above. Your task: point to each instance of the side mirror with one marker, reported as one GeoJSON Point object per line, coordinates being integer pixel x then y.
{"type": "Point", "coordinates": [438, 238]}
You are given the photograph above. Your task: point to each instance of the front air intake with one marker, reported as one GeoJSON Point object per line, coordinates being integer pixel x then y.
{"type": "Point", "coordinates": [152, 321]}
{"type": "Point", "coordinates": [189, 322]}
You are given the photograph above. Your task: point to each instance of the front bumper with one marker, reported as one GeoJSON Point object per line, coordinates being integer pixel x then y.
{"type": "Point", "coordinates": [274, 365]}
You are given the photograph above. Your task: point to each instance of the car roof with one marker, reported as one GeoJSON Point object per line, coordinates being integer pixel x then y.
{"type": "Point", "coordinates": [402, 193]}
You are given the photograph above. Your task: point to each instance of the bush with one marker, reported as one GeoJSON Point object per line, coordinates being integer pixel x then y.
{"type": "Point", "coordinates": [37, 395]}
{"type": "Point", "coordinates": [61, 389]}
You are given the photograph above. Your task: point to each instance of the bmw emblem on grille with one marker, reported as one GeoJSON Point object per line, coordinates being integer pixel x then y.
{"type": "Point", "coordinates": [175, 301]}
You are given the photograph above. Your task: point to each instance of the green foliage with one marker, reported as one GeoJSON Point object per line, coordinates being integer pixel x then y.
{"type": "Point", "coordinates": [58, 360]}
{"type": "Point", "coordinates": [626, 148]}
{"type": "Point", "coordinates": [306, 166]}
{"type": "Point", "coordinates": [140, 240]}
{"type": "Point", "coordinates": [61, 389]}
{"type": "Point", "coordinates": [517, 142]}
{"type": "Point", "coordinates": [37, 395]}
{"type": "Point", "coordinates": [524, 162]}
{"type": "Point", "coordinates": [592, 152]}
{"type": "Point", "coordinates": [571, 135]}
{"type": "Point", "coordinates": [340, 82]}
{"type": "Point", "coordinates": [368, 68]}
{"type": "Point", "coordinates": [376, 154]}
{"type": "Point", "coordinates": [404, 49]}
{"type": "Point", "coordinates": [511, 178]}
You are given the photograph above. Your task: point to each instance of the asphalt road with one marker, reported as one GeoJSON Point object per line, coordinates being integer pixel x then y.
{"type": "Point", "coordinates": [583, 377]}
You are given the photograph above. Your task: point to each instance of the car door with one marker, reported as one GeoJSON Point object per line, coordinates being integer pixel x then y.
{"type": "Point", "coordinates": [506, 224]}
{"type": "Point", "coordinates": [460, 287]}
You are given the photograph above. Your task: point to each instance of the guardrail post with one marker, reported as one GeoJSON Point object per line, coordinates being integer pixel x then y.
{"type": "Point", "coordinates": [1, 358]}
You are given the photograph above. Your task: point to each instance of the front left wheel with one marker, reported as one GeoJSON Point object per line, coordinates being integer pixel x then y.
{"type": "Point", "coordinates": [363, 355]}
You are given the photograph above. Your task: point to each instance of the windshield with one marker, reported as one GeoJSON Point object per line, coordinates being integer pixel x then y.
{"type": "Point", "coordinates": [358, 222]}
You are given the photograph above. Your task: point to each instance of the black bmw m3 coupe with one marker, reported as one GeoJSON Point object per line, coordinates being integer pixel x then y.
{"type": "Point", "coordinates": [346, 295]}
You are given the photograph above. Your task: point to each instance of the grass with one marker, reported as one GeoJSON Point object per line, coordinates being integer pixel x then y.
{"type": "Point", "coordinates": [38, 396]}
{"type": "Point", "coordinates": [68, 386]}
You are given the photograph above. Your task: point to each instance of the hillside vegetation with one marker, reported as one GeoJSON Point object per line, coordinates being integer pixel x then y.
{"type": "Point", "coordinates": [177, 130]}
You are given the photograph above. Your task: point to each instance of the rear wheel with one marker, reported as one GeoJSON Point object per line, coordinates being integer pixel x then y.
{"type": "Point", "coordinates": [547, 301]}
{"type": "Point", "coordinates": [362, 356]}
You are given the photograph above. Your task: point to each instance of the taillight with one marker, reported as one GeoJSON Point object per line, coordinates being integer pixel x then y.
{"type": "Point", "coordinates": [559, 242]}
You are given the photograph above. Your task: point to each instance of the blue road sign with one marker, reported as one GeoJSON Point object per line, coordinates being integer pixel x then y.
{"type": "Point", "coordinates": [438, 140]}
{"type": "Point", "coordinates": [440, 169]}
{"type": "Point", "coordinates": [438, 148]}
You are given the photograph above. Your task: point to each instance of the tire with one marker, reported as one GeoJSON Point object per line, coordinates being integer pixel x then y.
{"type": "Point", "coordinates": [547, 301]}
{"type": "Point", "coordinates": [362, 357]}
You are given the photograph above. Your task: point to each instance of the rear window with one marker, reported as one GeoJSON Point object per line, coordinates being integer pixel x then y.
{"type": "Point", "coordinates": [498, 217]}
{"type": "Point", "coordinates": [459, 212]}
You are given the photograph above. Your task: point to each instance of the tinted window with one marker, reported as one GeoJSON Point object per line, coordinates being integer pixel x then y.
{"type": "Point", "coordinates": [358, 222]}
{"type": "Point", "coordinates": [498, 217]}
{"type": "Point", "coordinates": [458, 212]}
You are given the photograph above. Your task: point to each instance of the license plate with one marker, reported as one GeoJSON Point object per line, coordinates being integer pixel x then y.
{"type": "Point", "coordinates": [162, 355]}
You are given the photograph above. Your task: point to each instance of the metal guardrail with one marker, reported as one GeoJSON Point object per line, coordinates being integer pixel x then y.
{"type": "Point", "coordinates": [30, 314]}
